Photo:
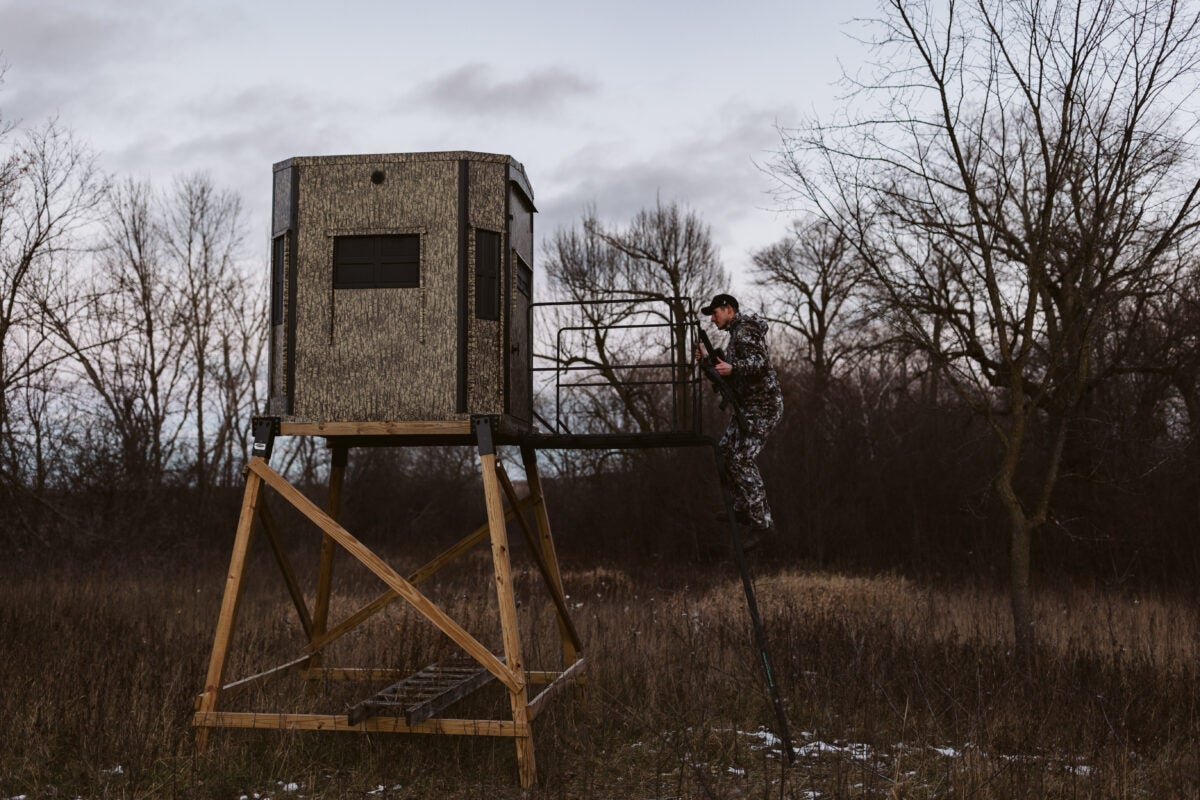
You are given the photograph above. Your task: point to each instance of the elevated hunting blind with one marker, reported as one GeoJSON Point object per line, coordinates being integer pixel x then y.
{"type": "Point", "coordinates": [401, 289]}
{"type": "Point", "coordinates": [401, 316]}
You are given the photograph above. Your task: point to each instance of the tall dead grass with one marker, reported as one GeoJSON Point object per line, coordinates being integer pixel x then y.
{"type": "Point", "coordinates": [894, 689]}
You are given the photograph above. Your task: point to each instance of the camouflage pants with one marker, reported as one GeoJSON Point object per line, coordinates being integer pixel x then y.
{"type": "Point", "coordinates": [738, 454]}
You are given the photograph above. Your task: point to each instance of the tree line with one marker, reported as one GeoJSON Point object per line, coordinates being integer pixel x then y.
{"type": "Point", "coordinates": [131, 334]}
{"type": "Point", "coordinates": [985, 314]}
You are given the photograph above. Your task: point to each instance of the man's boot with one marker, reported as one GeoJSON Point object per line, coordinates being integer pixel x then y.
{"type": "Point", "coordinates": [755, 536]}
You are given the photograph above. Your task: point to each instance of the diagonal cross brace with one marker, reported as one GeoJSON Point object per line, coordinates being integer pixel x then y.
{"type": "Point", "coordinates": [393, 579]}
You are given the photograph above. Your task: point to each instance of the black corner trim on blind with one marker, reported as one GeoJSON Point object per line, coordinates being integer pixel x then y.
{"type": "Point", "coordinates": [278, 252]}
{"type": "Point", "coordinates": [464, 209]}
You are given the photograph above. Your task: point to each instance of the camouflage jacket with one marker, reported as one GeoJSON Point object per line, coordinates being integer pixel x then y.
{"type": "Point", "coordinates": [753, 378]}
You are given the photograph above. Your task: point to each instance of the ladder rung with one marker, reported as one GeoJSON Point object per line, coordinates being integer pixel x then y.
{"type": "Point", "coordinates": [422, 694]}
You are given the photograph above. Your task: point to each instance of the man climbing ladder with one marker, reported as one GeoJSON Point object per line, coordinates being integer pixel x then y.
{"type": "Point", "coordinates": [745, 366]}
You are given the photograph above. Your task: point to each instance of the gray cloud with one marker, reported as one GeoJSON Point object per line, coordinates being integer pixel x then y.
{"type": "Point", "coordinates": [77, 55]}
{"type": "Point", "coordinates": [710, 168]}
{"type": "Point", "coordinates": [475, 89]}
{"type": "Point", "coordinates": [53, 38]}
{"type": "Point", "coordinates": [236, 137]}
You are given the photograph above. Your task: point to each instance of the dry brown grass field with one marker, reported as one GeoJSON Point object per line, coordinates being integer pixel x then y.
{"type": "Point", "coordinates": [895, 689]}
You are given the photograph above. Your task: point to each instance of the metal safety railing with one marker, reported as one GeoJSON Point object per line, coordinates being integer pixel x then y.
{"type": "Point", "coordinates": [622, 363]}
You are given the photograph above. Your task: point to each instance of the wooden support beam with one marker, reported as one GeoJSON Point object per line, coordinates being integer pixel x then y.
{"type": "Point", "coordinates": [509, 632]}
{"type": "Point", "coordinates": [338, 722]}
{"type": "Point", "coordinates": [333, 507]}
{"type": "Point", "coordinates": [429, 694]}
{"type": "Point", "coordinates": [285, 566]}
{"type": "Point", "coordinates": [229, 601]}
{"type": "Point", "coordinates": [510, 677]}
{"type": "Point", "coordinates": [570, 645]}
{"type": "Point", "coordinates": [539, 557]}
{"type": "Point", "coordinates": [377, 674]}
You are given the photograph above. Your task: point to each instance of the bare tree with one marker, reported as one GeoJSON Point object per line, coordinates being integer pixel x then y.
{"type": "Point", "coordinates": [167, 333]}
{"type": "Point", "coordinates": [1030, 171]}
{"type": "Point", "coordinates": [241, 347]}
{"type": "Point", "coordinates": [202, 229]}
{"type": "Point", "coordinates": [123, 329]}
{"type": "Point", "coordinates": [646, 273]}
{"type": "Point", "coordinates": [49, 190]}
{"type": "Point", "coordinates": [815, 284]}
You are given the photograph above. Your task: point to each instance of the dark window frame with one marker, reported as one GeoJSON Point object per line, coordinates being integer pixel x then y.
{"type": "Point", "coordinates": [278, 270]}
{"type": "Point", "coordinates": [524, 276]}
{"type": "Point", "coordinates": [377, 261]}
{"type": "Point", "coordinates": [487, 274]}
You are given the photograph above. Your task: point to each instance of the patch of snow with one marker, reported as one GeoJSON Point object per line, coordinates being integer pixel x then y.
{"type": "Point", "coordinates": [290, 787]}
{"type": "Point", "coordinates": [1082, 770]}
{"type": "Point", "coordinates": [117, 770]}
{"type": "Point", "coordinates": [863, 752]}
{"type": "Point", "coordinates": [741, 773]}
{"type": "Point", "coordinates": [1020, 759]}
{"type": "Point", "coordinates": [376, 790]}
{"type": "Point", "coordinates": [816, 748]}
{"type": "Point", "coordinates": [764, 736]}
{"type": "Point", "coordinates": [948, 752]}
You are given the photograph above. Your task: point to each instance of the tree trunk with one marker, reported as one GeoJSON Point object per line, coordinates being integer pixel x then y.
{"type": "Point", "coordinates": [1020, 529]}
{"type": "Point", "coordinates": [1021, 591]}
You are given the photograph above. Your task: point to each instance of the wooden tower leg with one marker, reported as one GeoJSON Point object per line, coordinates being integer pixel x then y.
{"type": "Point", "coordinates": [229, 603]}
{"type": "Point", "coordinates": [529, 459]}
{"type": "Point", "coordinates": [508, 604]}
{"type": "Point", "coordinates": [333, 507]}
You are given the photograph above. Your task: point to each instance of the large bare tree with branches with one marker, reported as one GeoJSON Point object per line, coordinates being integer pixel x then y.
{"type": "Point", "coordinates": [815, 285]}
{"type": "Point", "coordinates": [166, 332]}
{"type": "Point", "coordinates": [1026, 168]}
{"type": "Point", "coordinates": [49, 191]}
{"type": "Point", "coordinates": [623, 278]}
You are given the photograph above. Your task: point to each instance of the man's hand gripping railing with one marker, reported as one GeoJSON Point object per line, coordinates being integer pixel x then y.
{"type": "Point", "coordinates": [708, 366]}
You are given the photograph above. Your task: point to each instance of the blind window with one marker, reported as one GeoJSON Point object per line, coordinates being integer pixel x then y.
{"type": "Point", "coordinates": [377, 262]}
{"type": "Point", "coordinates": [487, 274]}
{"type": "Point", "coordinates": [277, 253]}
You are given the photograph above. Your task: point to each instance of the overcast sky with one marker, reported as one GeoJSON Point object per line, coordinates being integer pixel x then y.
{"type": "Point", "coordinates": [613, 103]}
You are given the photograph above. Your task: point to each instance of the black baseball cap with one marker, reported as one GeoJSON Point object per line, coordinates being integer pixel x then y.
{"type": "Point", "coordinates": [718, 301]}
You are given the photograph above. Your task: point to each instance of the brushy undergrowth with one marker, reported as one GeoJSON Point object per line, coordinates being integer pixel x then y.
{"type": "Point", "coordinates": [894, 688]}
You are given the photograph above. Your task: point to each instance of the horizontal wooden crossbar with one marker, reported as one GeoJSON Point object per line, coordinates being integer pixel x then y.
{"type": "Point", "coordinates": [338, 722]}
{"type": "Point", "coordinates": [434, 427]}
{"type": "Point", "coordinates": [373, 674]}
